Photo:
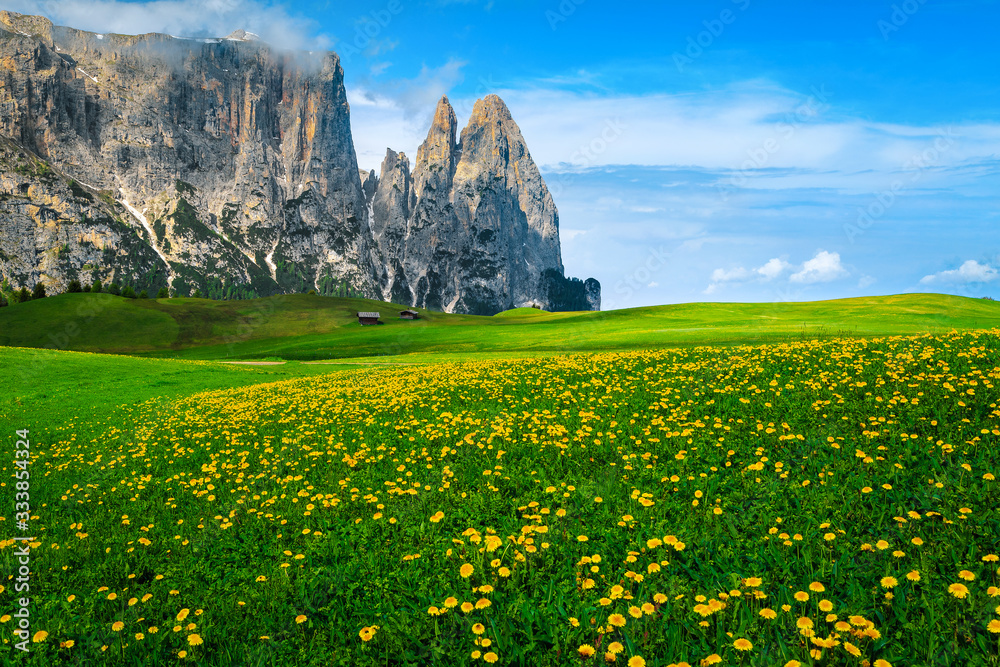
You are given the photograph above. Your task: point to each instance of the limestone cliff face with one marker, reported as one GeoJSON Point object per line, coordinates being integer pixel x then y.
{"type": "Point", "coordinates": [225, 166]}
{"type": "Point", "coordinates": [236, 162]}
{"type": "Point", "coordinates": [474, 229]}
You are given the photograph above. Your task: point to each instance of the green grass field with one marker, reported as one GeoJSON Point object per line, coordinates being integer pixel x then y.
{"type": "Point", "coordinates": [736, 484]}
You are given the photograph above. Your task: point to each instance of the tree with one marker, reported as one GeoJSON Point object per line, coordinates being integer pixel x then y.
{"type": "Point", "coordinates": [197, 294]}
{"type": "Point", "coordinates": [96, 287]}
{"type": "Point", "coordinates": [39, 291]}
{"type": "Point", "coordinates": [3, 300]}
{"type": "Point", "coordinates": [115, 289]}
{"type": "Point", "coordinates": [143, 294]}
{"type": "Point", "coordinates": [162, 294]}
{"type": "Point", "coordinates": [128, 292]}
{"type": "Point", "coordinates": [74, 287]}
{"type": "Point", "coordinates": [23, 295]}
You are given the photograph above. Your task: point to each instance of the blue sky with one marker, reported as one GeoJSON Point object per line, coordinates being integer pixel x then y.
{"type": "Point", "coordinates": [724, 150]}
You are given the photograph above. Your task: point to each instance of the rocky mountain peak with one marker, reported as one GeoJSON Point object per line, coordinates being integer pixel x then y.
{"type": "Point", "coordinates": [490, 109]}
{"type": "Point", "coordinates": [439, 147]}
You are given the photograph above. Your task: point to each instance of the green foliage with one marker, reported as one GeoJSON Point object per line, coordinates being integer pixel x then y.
{"type": "Point", "coordinates": [114, 288]}
{"type": "Point", "coordinates": [128, 292]}
{"type": "Point", "coordinates": [183, 187]}
{"type": "Point", "coordinates": [143, 294]}
{"type": "Point", "coordinates": [197, 294]}
{"type": "Point", "coordinates": [162, 294]}
{"type": "Point", "coordinates": [79, 192]}
{"type": "Point", "coordinates": [309, 501]}
{"type": "Point", "coordinates": [74, 286]}
{"type": "Point", "coordinates": [38, 292]}
{"type": "Point", "coordinates": [96, 288]}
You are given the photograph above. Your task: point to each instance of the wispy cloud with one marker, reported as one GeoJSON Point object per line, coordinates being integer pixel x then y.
{"type": "Point", "coordinates": [971, 271]}
{"type": "Point", "coordinates": [182, 18]}
{"type": "Point", "coordinates": [823, 268]}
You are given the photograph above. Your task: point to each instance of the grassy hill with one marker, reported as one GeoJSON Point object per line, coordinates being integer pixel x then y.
{"type": "Point", "coordinates": [309, 327]}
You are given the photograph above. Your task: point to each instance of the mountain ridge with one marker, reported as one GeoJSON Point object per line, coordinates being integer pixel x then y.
{"type": "Point", "coordinates": [226, 166]}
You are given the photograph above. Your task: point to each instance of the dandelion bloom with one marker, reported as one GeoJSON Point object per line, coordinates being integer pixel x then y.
{"type": "Point", "coordinates": [467, 607]}
{"type": "Point", "coordinates": [182, 654]}
{"type": "Point", "coordinates": [801, 596]}
{"type": "Point", "coordinates": [889, 582]}
{"type": "Point", "coordinates": [635, 612]}
{"type": "Point", "coordinates": [491, 657]}
{"type": "Point", "coordinates": [882, 663]}
{"type": "Point", "coordinates": [451, 602]}
{"type": "Point", "coordinates": [917, 541]}
{"type": "Point", "coordinates": [994, 626]}
{"type": "Point", "coordinates": [483, 603]}
{"type": "Point", "coordinates": [586, 650]}
{"type": "Point", "coordinates": [752, 582]}
{"type": "Point", "coordinates": [617, 620]}
{"type": "Point", "coordinates": [713, 659]}
{"type": "Point", "coordinates": [882, 545]}
{"type": "Point", "coordinates": [852, 649]}
{"type": "Point", "coordinates": [117, 626]}
{"type": "Point", "coordinates": [504, 572]}
{"type": "Point", "coordinates": [182, 614]}
{"type": "Point", "coordinates": [825, 605]}
{"type": "Point", "coordinates": [301, 618]}
{"type": "Point", "coordinates": [742, 644]}
{"type": "Point", "coordinates": [793, 663]}
{"type": "Point", "coordinates": [958, 590]}
{"type": "Point", "coordinates": [466, 570]}
{"type": "Point", "coordinates": [195, 640]}
{"type": "Point", "coordinates": [913, 575]}
{"type": "Point", "coordinates": [769, 613]}
{"type": "Point", "coordinates": [804, 622]}
{"type": "Point", "coordinates": [40, 636]}
{"type": "Point", "coordinates": [615, 647]}
{"type": "Point", "coordinates": [965, 574]}
{"type": "Point", "coordinates": [636, 661]}
{"type": "Point", "coordinates": [817, 587]}
{"type": "Point", "coordinates": [478, 628]}
{"type": "Point", "coordinates": [476, 654]}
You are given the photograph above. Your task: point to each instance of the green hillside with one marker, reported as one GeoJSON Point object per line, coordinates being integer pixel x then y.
{"type": "Point", "coordinates": [310, 327]}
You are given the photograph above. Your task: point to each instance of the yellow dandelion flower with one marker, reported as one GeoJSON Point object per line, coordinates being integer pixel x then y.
{"type": "Point", "coordinates": [40, 636]}
{"type": "Point", "coordinates": [301, 618]}
{"type": "Point", "coordinates": [451, 602]}
{"type": "Point", "coordinates": [825, 605]}
{"type": "Point", "coordinates": [768, 613]}
{"type": "Point", "coordinates": [882, 663]}
{"type": "Point", "coordinates": [478, 628]}
{"type": "Point", "coordinates": [586, 650]}
{"type": "Point", "coordinates": [117, 626]}
{"type": "Point", "coordinates": [195, 640]}
{"type": "Point", "coordinates": [913, 575]}
{"type": "Point", "coordinates": [958, 590]}
{"type": "Point", "coordinates": [617, 620]}
{"type": "Point", "coordinates": [182, 614]}
{"type": "Point", "coordinates": [742, 644]}
{"type": "Point", "coordinates": [888, 582]}
{"type": "Point", "coordinates": [615, 647]}
{"type": "Point", "coordinates": [965, 574]}
{"type": "Point", "coordinates": [467, 607]}
{"type": "Point", "coordinates": [802, 596]}
{"type": "Point", "coordinates": [466, 570]}
{"type": "Point", "coordinates": [491, 657]}
{"type": "Point", "coordinates": [636, 661]}
{"type": "Point", "coordinates": [182, 654]}
{"type": "Point", "coordinates": [993, 626]}
{"type": "Point", "coordinates": [635, 612]}
{"type": "Point", "coordinates": [817, 587]}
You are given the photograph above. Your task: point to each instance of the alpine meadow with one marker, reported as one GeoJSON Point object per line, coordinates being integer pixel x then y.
{"type": "Point", "coordinates": [296, 371]}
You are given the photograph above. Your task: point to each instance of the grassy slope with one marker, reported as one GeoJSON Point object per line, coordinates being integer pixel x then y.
{"type": "Point", "coordinates": [45, 388]}
{"type": "Point", "coordinates": [305, 327]}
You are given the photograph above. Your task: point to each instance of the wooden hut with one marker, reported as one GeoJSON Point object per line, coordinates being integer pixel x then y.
{"type": "Point", "coordinates": [368, 317]}
{"type": "Point", "coordinates": [409, 315]}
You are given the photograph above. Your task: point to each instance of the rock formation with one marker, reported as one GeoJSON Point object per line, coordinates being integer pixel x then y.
{"type": "Point", "coordinates": [226, 166]}
{"type": "Point", "coordinates": [474, 228]}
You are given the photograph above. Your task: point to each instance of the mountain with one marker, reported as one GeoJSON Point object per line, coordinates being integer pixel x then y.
{"type": "Point", "coordinates": [227, 166]}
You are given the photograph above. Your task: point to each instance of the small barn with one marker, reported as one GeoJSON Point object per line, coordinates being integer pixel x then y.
{"type": "Point", "coordinates": [409, 315]}
{"type": "Point", "coordinates": [365, 318]}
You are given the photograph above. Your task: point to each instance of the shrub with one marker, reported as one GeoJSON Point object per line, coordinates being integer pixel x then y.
{"type": "Point", "coordinates": [162, 294]}
{"type": "Point", "coordinates": [23, 295]}
{"type": "Point", "coordinates": [197, 294]}
{"type": "Point", "coordinates": [115, 288]}
{"type": "Point", "coordinates": [128, 292]}
{"type": "Point", "coordinates": [143, 294]}
{"type": "Point", "coordinates": [39, 291]}
{"type": "Point", "coordinates": [74, 287]}
{"type": "Point", "coordinates": [96, 287]}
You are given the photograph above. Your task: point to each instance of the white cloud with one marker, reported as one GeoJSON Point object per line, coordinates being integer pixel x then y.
{"type": "Point", "coordinates": [732, 275]}
{"type": "Point", "coordinates": [971, 271]}
{"type": "Point", "coordinates": [182, 18]}
{"type": "Point", "coordinates": [774, 268]}
{"type": "Point", "coordinates": [567, 234]}
{"type": "Point", "coordinates": [823, 268]}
